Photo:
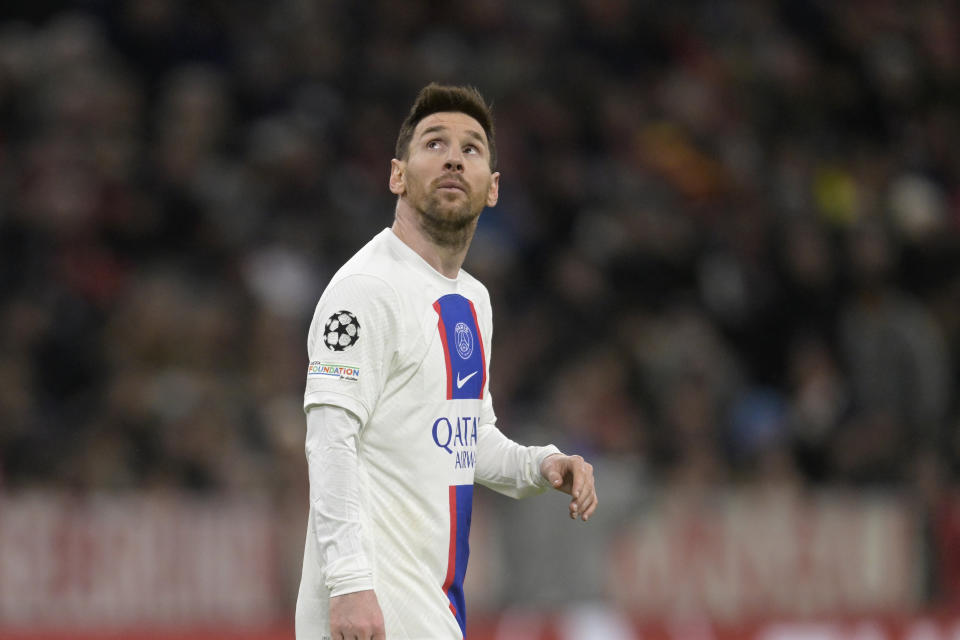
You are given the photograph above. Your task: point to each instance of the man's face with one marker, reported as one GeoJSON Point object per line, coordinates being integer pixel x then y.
{"type": "Point", "coordinates": [446, 177]}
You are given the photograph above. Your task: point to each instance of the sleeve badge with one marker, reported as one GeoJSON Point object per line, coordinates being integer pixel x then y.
{"type": "Point", "coordinates": [342, 331]}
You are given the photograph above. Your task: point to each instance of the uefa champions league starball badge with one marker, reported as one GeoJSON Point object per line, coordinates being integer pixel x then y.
{"type": "Point", "coordinates": [341, 331]}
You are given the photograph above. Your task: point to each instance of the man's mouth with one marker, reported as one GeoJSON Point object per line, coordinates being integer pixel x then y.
{"type": "Point", "coordinates": [451, 184]}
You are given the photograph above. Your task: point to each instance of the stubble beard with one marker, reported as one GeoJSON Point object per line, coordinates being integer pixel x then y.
{"type": "Point", "coordinates": [449, 225]}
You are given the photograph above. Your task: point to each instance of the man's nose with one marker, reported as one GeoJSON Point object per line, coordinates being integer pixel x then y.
{"type": "Point", "coordinates": [454, 160]}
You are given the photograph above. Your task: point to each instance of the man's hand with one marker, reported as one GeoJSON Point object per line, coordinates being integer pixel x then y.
{"type": "Point", "coordinates": [356, 616]}
{"type": "Point", "coordinates": [572, 475]}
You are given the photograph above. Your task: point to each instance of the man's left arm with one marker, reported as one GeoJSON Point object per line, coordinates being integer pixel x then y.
{"type": "Point", "coordinates": [518, 471]}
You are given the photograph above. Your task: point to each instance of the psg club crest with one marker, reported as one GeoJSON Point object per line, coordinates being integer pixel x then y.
{"type": "Point", "coordinates": [464, 339]}
{"type": "Point", "coordinates": [341, 331]}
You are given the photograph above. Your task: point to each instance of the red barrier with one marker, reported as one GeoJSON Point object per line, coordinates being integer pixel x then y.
{"type": "Point", "coordinates": [280, 633]}
{"type": "Point", "coordinates": [536, 626]}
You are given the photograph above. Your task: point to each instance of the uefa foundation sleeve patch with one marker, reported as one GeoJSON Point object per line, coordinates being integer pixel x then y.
{"type": "Point", "coordinates": [318, 369]}
{"type": "Point", "coordinates": [341, 331]}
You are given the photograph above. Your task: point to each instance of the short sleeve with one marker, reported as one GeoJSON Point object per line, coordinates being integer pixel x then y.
{"type": "Point", "coordinates": [352, 344]}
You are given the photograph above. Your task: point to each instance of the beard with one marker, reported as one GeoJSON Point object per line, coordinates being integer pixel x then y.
{"type": "Point", "coordinates": [449, 223]}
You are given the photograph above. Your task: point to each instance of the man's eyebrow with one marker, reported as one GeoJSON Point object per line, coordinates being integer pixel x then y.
{"type": "Point", "coordinates": [477, 136]}
{"type": "Point", "coordinates": [438, 128]}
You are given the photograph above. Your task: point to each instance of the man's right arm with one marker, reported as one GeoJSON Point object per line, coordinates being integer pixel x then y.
{"type": "Point", "coordinates": [345, 379]}
{"type": "Point", "coordinates": [331, 448]}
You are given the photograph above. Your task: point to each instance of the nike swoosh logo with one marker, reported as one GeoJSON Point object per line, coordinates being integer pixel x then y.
{"type": "Point", "coordinates": [461, 382]}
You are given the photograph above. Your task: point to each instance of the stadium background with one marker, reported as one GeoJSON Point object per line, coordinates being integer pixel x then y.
{"type": "Point", "coordinates": [725, 267]}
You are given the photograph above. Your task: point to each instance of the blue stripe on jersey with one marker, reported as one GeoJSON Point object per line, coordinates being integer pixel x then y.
{"type": "Point", "coordinates": [461, 509]}
{"type": "Point", "coordinates": [463, 347]}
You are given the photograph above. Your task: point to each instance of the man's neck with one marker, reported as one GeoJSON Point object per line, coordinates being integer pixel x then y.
{"type": "Point", "coordinates": [445, 260]}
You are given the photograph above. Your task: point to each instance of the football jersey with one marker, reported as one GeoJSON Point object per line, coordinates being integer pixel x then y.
{"type": "Point", "coordinates": [406, 350]}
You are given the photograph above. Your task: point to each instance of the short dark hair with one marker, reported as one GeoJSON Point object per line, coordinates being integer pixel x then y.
{"type": "Point", "coordinates": [436, 98]}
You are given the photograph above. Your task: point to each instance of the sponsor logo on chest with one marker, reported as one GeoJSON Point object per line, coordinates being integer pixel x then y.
{"type": "Point", "coordinates": [458, 437]}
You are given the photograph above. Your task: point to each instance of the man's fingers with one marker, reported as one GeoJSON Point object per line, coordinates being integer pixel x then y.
{"type": "Point", "coordinates": [582, 473]}
{"type": "Point", "coordinates": [584, 492]}
{"type": "Point", "coordinates": [585, 505]}
{"type": "Point", "coordinates": [361, 634]}
{"type": "Point", "coordinates": [575, 468]}
{"type": "Point", "coordinates": [574, 475]}
{"type": "Point", "coordinates": [588, 506]}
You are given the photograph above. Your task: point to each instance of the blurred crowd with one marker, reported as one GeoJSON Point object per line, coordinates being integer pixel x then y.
{"type": "Point", "coordinates": [727, 246]}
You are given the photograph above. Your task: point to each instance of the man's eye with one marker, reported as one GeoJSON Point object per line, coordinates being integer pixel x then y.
{"type": "Point", "coordinates": [470, 149]}
{"type": "Point", "coordinates": [433, 144]}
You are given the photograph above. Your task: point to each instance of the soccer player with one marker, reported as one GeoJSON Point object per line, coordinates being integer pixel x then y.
{"type": "Point", "coordinates": [400, 423]}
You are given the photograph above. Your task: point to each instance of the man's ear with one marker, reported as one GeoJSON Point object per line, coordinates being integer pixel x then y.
{"type": "Point", "coordinates": [398, 181]}
{"type": "Point", "coordinates": [493, 193]}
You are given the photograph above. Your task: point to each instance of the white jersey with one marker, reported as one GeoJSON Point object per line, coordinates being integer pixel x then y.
{"type": "Point", "coordinates": [406, 350]}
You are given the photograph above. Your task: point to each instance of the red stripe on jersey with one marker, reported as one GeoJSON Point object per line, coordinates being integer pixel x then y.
{"type": "Point", "coordinates": [483, 354]}
{"type": "Point", "coordinates": [446, 348]}
{"type": "Point", "coordinates": [452, 555]}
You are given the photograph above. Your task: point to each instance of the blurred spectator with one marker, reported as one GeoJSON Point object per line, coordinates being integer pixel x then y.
{"type": "Point", "coordinates": [898, 366]}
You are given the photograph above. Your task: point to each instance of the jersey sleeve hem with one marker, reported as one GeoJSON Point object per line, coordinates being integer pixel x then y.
{"type": "Point", "coordinates": [335, 399]}
{"type": "Point", "coordinates": [349, 575]}
{"type": "Point", "coordinates": [352, 586]}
